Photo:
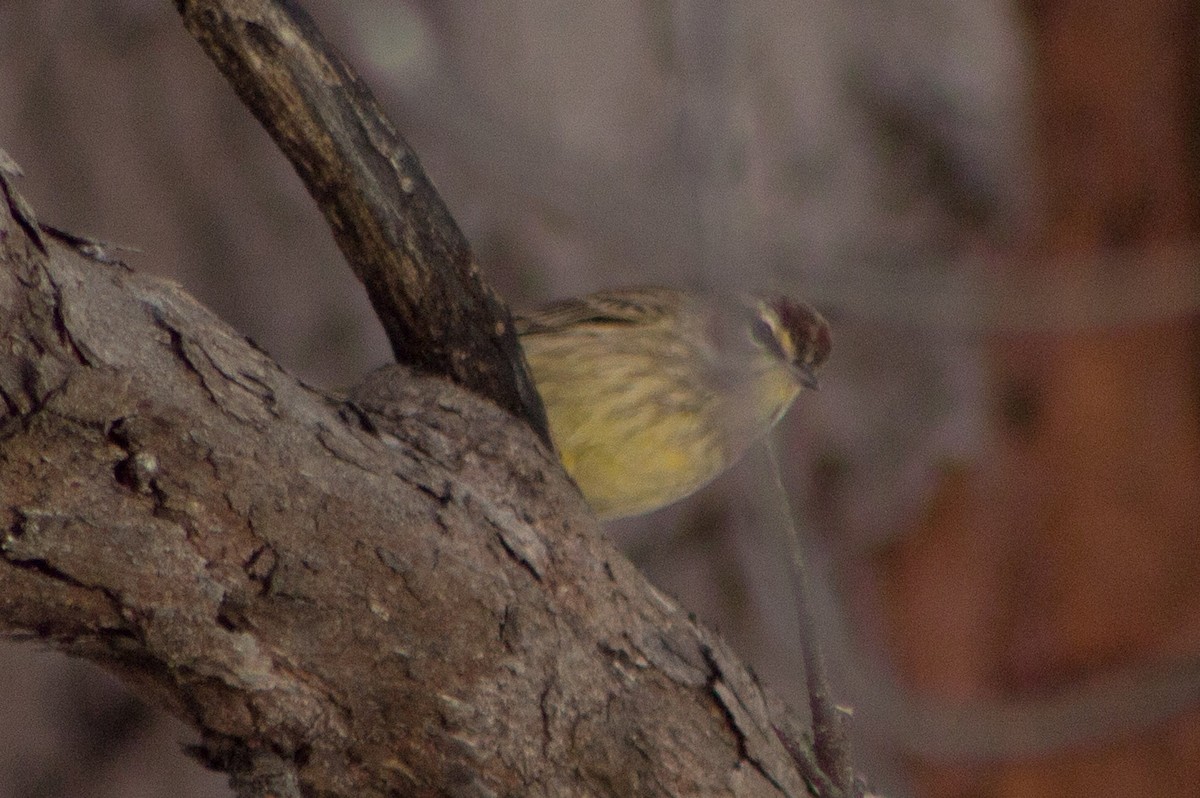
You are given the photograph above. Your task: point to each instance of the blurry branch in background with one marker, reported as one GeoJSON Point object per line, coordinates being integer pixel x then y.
{"type": "Point", "coordinates": [394, 230]}
{"type": "Point", "coordinates": [714, 152]}
{"type": "Point", "coordinates": [1113, 706]}
{"type": "Point", "coordinates": [999, 295]}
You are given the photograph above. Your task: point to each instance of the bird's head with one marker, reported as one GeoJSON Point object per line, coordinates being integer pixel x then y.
{"type": "Point", "coordinates": [794, 333]}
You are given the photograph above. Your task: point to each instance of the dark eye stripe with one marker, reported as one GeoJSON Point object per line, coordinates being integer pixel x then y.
{"type": "Point", "coordinates": [763, 333]}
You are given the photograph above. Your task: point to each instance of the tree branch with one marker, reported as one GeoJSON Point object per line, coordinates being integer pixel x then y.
{"type": "Point", "coordinates": [394, 596]}
{"type": "Point", "coordinates": [386, 217]}
{"type": "Point", "coordinates": [397, 594]}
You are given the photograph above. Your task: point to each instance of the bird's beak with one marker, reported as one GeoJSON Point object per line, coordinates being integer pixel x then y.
{"type": "Point", "coordinates": [807, 377]}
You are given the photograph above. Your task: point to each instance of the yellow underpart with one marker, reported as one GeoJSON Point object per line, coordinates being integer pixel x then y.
{"type": "Point", "coordinates": [636, 433]}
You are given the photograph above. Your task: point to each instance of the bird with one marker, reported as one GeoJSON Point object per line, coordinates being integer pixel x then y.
{"type": "Point", "coordinates": [652, 392]}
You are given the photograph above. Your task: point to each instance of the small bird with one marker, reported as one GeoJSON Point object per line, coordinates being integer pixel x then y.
{"type": "Point", "coordinates": [651, 392]}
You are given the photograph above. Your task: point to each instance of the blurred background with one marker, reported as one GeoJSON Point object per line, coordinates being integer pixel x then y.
{"type": "Point", "coordinates": [995, 203]}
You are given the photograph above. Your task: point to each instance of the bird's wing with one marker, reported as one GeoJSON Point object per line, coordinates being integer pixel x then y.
{"type": "Point", "coordinates": [604, 307]}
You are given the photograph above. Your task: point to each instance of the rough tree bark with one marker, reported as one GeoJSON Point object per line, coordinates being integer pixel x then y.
{"type": "Point", "coordinates": [399, 593]}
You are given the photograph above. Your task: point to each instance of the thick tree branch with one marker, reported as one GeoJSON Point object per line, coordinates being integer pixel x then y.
{"type": "Point", "coordinates": [389, 222]}
{"type": "Point", "coordinates": [400, 595]}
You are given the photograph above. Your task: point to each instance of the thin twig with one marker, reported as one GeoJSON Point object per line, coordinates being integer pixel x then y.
{"type": "Point", "coordinates": [830, 741]}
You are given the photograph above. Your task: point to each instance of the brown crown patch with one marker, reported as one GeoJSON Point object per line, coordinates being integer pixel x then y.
{"type": "Point", "coordinates": [808, 329]}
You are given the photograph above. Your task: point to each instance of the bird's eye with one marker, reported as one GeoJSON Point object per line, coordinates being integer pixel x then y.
{"type": "Point", "coordinates": [765, 335]}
